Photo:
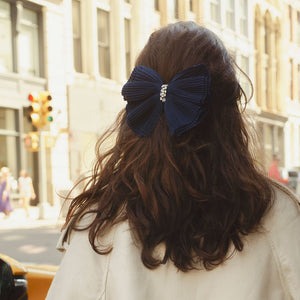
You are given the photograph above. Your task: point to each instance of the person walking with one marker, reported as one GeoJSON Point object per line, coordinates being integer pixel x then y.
{"type": "Point", "coordinates": [274, 170]}
{"type": "Point", "coordinates": [5, 190]}
{"type": "Point", "coordinates": [177, 209]}
{"type": "Point", "coordinates": [26, 190]}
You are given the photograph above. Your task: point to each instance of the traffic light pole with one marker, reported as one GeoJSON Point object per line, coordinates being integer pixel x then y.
{"type": "Point", "coordinates": [43, 204]}
{"type": "Point", "coordinates": [40, 115]}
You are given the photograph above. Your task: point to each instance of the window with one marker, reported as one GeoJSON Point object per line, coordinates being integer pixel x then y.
{"type": "Point", "coordinates": [6, 56]}
{"type": "Point", "coordinates": [267, 34]}
{"type": "Point", "coordinates": [103, 43]}
{"type": "Point", "coordinates": [191, 6]}
{"type": "Point", "coordinates": [290, 23]}
{"type": "Point", "coordinates": [127, 47]}
{"type": "Point", "coordinates": [298, 28]}
{"type": "Point", "coordinates": [266, 41]}
{"type": "Point", "coordinates": [245, 68]}
{"type": "Point", "coordinates": [256, 32]}
{"type": "Point", "coordinates": [19, 38]}
{"type": "Point", "coordinates": [156, 5]}
{"type": "Point", "coordinates": [28, 40]}
{"type": "Point", "coordinates": [298, 82]}
{"type": "Point", "coordinates": [215, 10]}
{"type": "Point", "coordinates": [8, 119]}
{"type": "Point", "coordinates": [291, 85]}
{"type": "Point", "coordinates": [265, 78]}
{"type": "Point", "coordinates": [243, 15]}
{"type": "Point", "coordinates": [77, 42]}
{"type": "Point", "coordinates": [230, 14]}
{"type": "Point", "coordinates": [9, 139]}
{"type": "Point", "coordinates": [174, 9]}
{"type": "Point", "coordinates": [276, 41]}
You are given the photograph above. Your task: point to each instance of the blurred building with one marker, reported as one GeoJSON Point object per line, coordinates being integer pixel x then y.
{"type": "Point", "coordinates": [82, 52]}
{"type": "Point", "coordinates": [32, 58]}
{"type": "Point", "coordinates": [277, 76]}
{"type": "Point", "coordinates": [291, 94]}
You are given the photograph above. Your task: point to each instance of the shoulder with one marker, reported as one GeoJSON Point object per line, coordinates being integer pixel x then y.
{"type": "Point", "coordinates": [283, 217]}
{"type": "Point", "coordinates": [285, 207]}
{"type": "Point", "coordinates": [282, 229]}
{"type": "Point", "coordinates": [69, 234]}
{"type": "Point", "coordinates": [79, 256]}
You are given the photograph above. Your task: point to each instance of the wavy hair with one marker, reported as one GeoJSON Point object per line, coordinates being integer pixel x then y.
{"type": "Point", "coordinates": [197, 194]}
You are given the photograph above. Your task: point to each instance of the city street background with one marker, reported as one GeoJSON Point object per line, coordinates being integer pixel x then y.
{"type": "Point", "coordinates": [30, 239]}
{"type": "Point", "coordinates": [62, 68]}
{"type": "Point", "coordinates": [31, 245]}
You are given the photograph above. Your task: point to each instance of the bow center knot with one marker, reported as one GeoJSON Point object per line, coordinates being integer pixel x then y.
{"type": "Point", "coordinates": [163, 92]}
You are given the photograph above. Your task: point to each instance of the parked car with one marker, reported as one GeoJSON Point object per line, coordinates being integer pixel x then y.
{"type": "Point", "coordinates": [24, 282]}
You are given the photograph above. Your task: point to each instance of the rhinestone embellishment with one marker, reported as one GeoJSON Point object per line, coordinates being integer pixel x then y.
{"type": "Point", "coordinates": [163, 92]}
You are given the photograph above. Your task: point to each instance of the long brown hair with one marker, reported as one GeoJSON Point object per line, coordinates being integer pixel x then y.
{"type": "Point", "coordinates": [199, 193]}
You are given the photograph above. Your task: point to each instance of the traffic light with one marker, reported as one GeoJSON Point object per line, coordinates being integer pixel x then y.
{"type": "Point", "coordinates": [40, 108]}
{"type": "Point", "coordinates": [46, 107]}
{"type": "Point", "coordinates": [31, 141]}
{"type": "Point", "coordinates": [35, 109]}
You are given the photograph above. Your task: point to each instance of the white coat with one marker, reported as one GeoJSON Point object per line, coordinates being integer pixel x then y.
{"type": "Point", "coordinates": [268, 268]}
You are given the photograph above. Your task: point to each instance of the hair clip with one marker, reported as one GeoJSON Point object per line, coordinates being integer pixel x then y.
{"type": "Point", "coordinates": [185, 105]}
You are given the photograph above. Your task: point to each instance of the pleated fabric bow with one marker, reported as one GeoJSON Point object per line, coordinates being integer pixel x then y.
{"type": "Point", "coordinates": [185, 99]}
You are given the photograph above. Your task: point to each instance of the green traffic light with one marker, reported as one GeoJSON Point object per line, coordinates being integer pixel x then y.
{"type": "Point", "coordinates": [50, 119]}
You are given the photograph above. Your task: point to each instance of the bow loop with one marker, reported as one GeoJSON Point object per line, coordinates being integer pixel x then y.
{"type": "Point", "coordinates": [187, 103]}
{"type": "Point", "coordinates": [143, 83]}
{"type": "Point", "coordinates": [185, 99]}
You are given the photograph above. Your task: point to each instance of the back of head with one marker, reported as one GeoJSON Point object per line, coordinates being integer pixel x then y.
{"type": "Point", "coordinates": [198, 192]}
{"type": "Point", "coordinates": [178, 46]}
{"type": "Point", "coordinates": [5, 171]}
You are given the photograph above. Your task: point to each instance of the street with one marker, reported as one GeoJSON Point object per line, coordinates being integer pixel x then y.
{"type": "Point", "coordinates": [31, 245]}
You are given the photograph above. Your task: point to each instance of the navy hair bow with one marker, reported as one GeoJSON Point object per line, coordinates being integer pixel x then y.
{"type": "Point", "coordinates": [184, 99]}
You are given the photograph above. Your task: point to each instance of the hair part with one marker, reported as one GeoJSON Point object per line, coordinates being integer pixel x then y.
{"type": "Point", "coordinates": [198, 193]}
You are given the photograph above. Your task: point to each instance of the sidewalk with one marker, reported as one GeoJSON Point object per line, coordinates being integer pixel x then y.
{"type": "Point", "coordinates": [18, 219]}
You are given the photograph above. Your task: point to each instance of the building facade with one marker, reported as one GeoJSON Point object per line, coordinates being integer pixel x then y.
{"type": "Point", "coordinates": [31, 59]}
{"type": "Point", "coordinates": [82, 52]}
{"type": "Point", "coordinates": [291, 96]}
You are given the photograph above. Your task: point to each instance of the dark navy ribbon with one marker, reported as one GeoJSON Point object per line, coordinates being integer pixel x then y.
{"type": "Point", "coordinates": [185, 100]}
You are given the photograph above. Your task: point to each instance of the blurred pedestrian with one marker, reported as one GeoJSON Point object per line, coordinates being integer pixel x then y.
{"type": "Point", "coordinates": [26, 190]}
{"type": "Point", "coordinates": [177, 209]}
{"type": "Point", "coordinates": [5, 192]}
{"type": "Point", "coordinates": [274, 172]}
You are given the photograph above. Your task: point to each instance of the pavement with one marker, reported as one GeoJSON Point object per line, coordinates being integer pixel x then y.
{"type": "Point", "coordinates": [50, 216]}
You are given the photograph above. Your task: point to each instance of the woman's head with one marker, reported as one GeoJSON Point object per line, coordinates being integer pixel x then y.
{"type": "Point", "coordinates": [198, 192]}
{"type": "Point", "coordinates": [170, 50]}
{"type": "Point", "coordinates": [5, 172]}
{"type": "Point", "coordinates": [23, 173]}
{"type": "Point", "coordinates": [178, 46]}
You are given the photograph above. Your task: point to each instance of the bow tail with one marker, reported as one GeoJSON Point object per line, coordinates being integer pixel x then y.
{"type": "Point", "coordinates": [142, 117]}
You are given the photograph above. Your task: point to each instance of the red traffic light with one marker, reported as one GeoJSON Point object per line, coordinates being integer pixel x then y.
{"type": "Point", "coordinates": [33, 97]}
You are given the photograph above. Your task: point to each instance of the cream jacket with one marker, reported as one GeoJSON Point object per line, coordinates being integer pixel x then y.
{"type": "Point", "coordinates": [267, 269]}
